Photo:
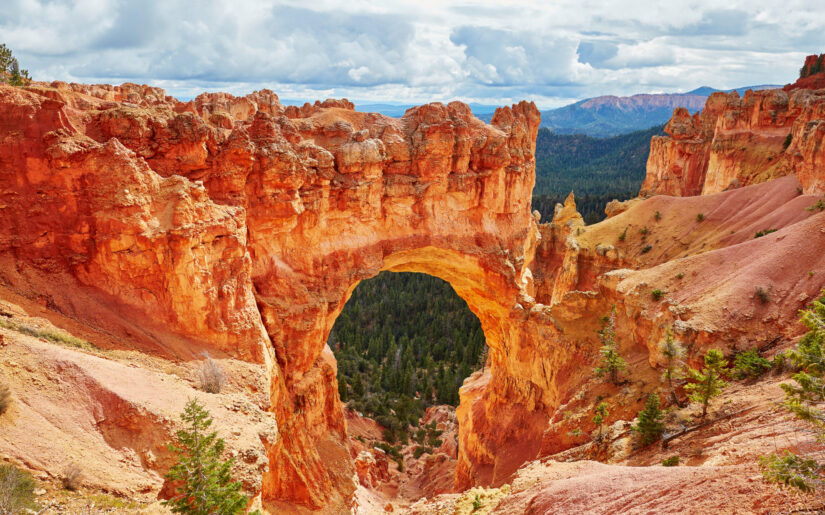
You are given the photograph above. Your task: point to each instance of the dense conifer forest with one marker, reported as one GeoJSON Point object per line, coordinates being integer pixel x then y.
{"type": "Point", "coordinates": [597, 170]}
{"type": "Point", "coordinates": [406, 341]}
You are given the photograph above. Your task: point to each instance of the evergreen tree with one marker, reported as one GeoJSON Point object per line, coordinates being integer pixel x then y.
{"type": "Point", "coordinates": [611, 363]}
{"type": "Point", "coordinates": [205, 482]}
{"type": "Point", "coordinates": [650, 426]}
{"type": "Point", "coordinates": [10, 72]}
{"type": "Point", "coordinates": [708, 383]}
{"type": "Point", "coordinates": [600, 413]}
{"type": "Point", "coordinates": [804, 399]}
{"type": "Point", "coordinates": [674, 371]}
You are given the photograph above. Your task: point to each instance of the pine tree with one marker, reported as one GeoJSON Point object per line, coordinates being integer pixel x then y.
{"type": "Point", "coordinates": [804, 401]}
{"type": "Point", "coordinates": [611, 363]}
{"type": "Point", "coordinates": [708, 383]}
{"type": "Point", "coordinates": [601, 413]}
{"type": "Point", "coordinates": [674, 371]}
{"type": "Point", "coordinates": [205, 482]}
{"type": "Point", "coordinates": [10, 71]}
{"type": "Point", "coordinates": [650, 426]}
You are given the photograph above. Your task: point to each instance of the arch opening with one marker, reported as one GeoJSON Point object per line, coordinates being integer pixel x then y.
{"type": "Point", "coordinates": [404, 342]}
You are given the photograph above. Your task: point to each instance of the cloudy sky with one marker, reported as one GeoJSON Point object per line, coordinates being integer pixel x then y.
{"type": "Point", "coordinates": [549, 51]}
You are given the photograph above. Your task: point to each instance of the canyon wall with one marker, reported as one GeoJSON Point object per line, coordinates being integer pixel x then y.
{"type": "Point", "coordinates": [240, 227]}
{"type": "Point", "coordinates": [737, 141]}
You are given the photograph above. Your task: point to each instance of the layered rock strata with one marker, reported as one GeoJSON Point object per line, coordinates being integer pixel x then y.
{"type": "Point", "coordinates": [737, 141]}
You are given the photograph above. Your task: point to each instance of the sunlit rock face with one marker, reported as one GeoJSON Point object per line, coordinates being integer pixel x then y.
{"type": "Point", "coordinates": [239, 226]}
{"type": "Point", "coordinates": [737, 141]}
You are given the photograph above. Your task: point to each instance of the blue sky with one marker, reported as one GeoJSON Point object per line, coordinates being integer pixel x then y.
{"type": "Point", "coordinates": [552, 52]}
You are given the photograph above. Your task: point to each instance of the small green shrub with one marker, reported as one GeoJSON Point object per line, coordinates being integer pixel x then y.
{"type": "Point", "coordinates": [680, 275]}
{"type": "Point", "coordinates": [787, 142]}
{"type": "Point", "coordinates": [600, 413]}
{"type": "Point", "coordinates": [16, 490]}
{"type": "Point", "coordinates": [657, 294]}
{"type": "Point", "coordinates": [46, 334]}
{"type": "Point", "coordinates": [623, 235]}
{"type": "Point", "coordinates": [764, 232]}
{"type": "Point", "coordinates": [791, 470]}
{"type": "Point", "coordinates": [476, 503]}
{"type": "Point", "coordinates": [644, 231]}
{"type": "Point", "coordinates": [763, 295]}
{"type": "Point", "coordinates": [700, 217]}
{"type": "Point", "coordinates": [421, 449]}
{"type": "Point", "coordinates": [818, 206]}
{"type": "Point", "coordinates": [646, 249]}
{"type": "Point", "coordinates": [673, 461]}
{"type": "Point", "coordinates": [750, 365]}
{"type": "Point", "coordinates": [657, 216]}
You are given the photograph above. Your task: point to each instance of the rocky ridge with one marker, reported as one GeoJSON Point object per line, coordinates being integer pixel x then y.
{"type": "Point", "coordinates": [239, 227]}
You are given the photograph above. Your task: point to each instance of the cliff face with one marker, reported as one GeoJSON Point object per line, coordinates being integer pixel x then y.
{"type": "Point", "coordinates": [238, 226]}
{"type": "Point", "coordinates": [739, 141]}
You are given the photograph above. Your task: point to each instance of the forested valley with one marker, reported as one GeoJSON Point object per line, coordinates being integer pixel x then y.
{"type": "Point", "coordinates": [406, 341]}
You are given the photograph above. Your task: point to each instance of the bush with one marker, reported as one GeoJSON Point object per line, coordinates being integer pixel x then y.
{"type": "Point", "coordinates": [657, 294]}
{"type": "Point", "coordinates": [791, 470]}
{"type": "Point", "coordinates": [646, 249]}
{"type": "Point", "coordinates": [644, 231]}
{"type": "Point", "coordinates": [72, 477]}
{"type": "Point", "coordinates": [476, 503]}
{"type": "Point", "coordinates": [5, 398]}
{"type": "Point", "coordinates": [818, 206]}
{"type": "Point", "coordinates": [764, 232]}
{"type": "Point", "coordinates": [623, 235]}
{"type": "Point", "coordinates": [16, 490]}
{"type": "Point", "coordinates": [670, 462]}
{"type": "Point", "coordinates": [804, 400]}
{"type": "Point", "coordinates": [750, 365]}
{"type": "Point", "coordinates": [657, 216]}
{"type": "Point", "coordinates": [204, 482]}
{"type": "Point", "coordinates": [787, 142]}
{"type": "Point", "coordinates": [419, 450]}
{"type": "Point", "coordinates": [600, 413]}
{"type": "Point", "coordinates": [211, 376]}
{"type": "Point", "coordinates": [762, 294]}
{"type": "Point", "coordinates": [700, 217]}
{"type": "Point", "coordinates": [650, 426]}
{"type": "Point", "coordinates": [680, 275]}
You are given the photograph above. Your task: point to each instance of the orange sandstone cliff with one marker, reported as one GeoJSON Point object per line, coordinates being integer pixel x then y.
{"type": "Point", "coordinates": [737, 141]}
{"type": "Point", "coordinates": [239, 227]}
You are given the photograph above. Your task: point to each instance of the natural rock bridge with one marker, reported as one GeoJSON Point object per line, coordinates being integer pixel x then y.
{"type": "Point", "coordinates": [242, 226]}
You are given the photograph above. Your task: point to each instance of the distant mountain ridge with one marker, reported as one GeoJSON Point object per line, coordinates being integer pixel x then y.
{"type": "Point", "coordinates": [611, 115]}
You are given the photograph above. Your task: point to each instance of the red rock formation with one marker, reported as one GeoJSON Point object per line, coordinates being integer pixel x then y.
{"type": "Point", "coordinates": [238, 226]}
{"type": "Point", "coordinates": [737, 141]}
{"type": "Point", "coordinates": [231, 224]}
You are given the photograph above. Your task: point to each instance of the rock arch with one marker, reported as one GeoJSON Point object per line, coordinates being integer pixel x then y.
{"type": "Point", "coordinates": [243, 225]}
